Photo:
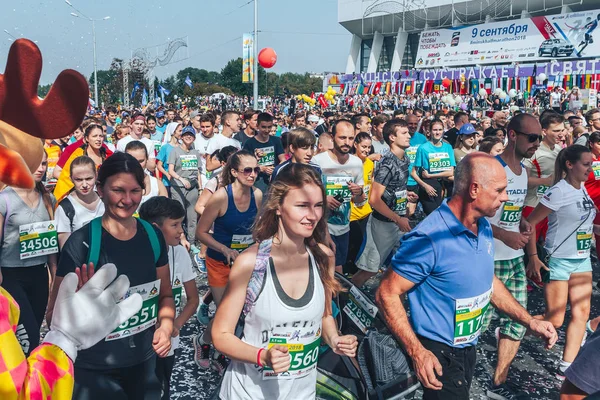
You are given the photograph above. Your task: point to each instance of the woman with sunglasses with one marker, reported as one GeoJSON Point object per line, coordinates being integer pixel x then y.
{"type": "Point", "coordinates": [232, 209]}
{"type": "Point", "coordinates": [570, 213]}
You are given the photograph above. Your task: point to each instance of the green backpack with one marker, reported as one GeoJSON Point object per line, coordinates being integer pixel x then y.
{"type": "Point", "coordinates": [96, 239]}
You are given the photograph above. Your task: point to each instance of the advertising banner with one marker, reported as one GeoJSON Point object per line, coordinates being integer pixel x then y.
{"type": "Point", "coordinates": [248, 58]}
{"type": "Point", "coordinates": [561, 36]}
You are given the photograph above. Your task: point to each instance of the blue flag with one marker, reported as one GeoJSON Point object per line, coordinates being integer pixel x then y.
{"type": "Point", "coordinates": [188, 82]}
{"type": "Point", "coordinates": [136, 86]}
{"type": "Point", "coordinates": [144, 97]}
{"type": "Point", "coordinates": [164, 90]}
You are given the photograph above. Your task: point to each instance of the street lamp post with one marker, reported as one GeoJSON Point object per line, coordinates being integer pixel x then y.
{"type": "Point", "coordinates": [255, 55]}
{"type": "Point", "coordinates": [79, 14]}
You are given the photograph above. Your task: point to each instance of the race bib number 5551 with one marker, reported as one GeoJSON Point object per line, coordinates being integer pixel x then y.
{"type": "Point", "coordinates": [146, 317]}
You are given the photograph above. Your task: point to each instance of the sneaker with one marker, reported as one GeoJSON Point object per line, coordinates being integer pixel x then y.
{"type": "Point", "coordinates": [199, 260]}
{"type": "Point", "coordinates": [505, 391]}
{"type": "Point", "coordinates": [201, 353]}
{"type": "Point", "coordinates": [534, 283]}
{"type": "Point", "coordinates": [202, 314]}
{"type": "Point", "coordinates": [220, 364]}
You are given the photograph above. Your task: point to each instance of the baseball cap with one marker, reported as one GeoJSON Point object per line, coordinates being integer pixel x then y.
{"type": "Point", "coordinates": [194, 114]}
{"type": "Point", "coordinates": [160, 114]}
{"type": "Point", "coordinates": [188, 130]}
{"type": "Point", "coordinates": [466, 129]}
{"type": "Point", "coordinates": [313, 118]}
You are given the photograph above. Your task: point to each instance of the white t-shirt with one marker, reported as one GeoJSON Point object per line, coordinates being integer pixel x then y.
{"type": "Point", "coordinates": [508, 216]}
{"type": "Point", "coordinates": [570, 207]}
{"type": "Point", "coordinates": [82, 216]}
{"type": "Point", "coordinates": [201, 144]}
{"type": "Point", "coordinates": [219, 141]}
{"type": "Point", "coordinates": [121, 144]}
{"type": "Point", "coordinates": [555, 99]}
{"type": "Point", "coordinates": [180, 270]}
{"type": "Point", "coordinates": [335, 177]}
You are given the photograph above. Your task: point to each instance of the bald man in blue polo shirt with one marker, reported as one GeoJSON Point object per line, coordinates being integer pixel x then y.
{"type": "Point", "coordinates": [446, 265]}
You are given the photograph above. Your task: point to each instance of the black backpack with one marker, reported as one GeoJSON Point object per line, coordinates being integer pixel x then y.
{"type": "Point", "coordinates": [69, 210]}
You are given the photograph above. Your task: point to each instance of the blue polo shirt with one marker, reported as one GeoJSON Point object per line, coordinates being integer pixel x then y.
{"type": "Point", "coordinates": [417, 140]}
{"type": "Point", "coordinates": [453, 270]}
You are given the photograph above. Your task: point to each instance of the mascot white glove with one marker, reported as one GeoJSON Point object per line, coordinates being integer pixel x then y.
{"type": "Point", "coordinates": [83, 318]}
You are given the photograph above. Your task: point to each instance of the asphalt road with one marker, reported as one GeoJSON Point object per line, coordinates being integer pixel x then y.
{"type": "Point", "coordinates": [533, 370]}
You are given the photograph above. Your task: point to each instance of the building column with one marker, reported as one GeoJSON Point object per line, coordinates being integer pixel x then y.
{"type": "Point", "coordinates": [353, 63]}
{"type": "Point", "coordinates": [375, 52]}
{"type": "Point", "coordinates": [399, 49]}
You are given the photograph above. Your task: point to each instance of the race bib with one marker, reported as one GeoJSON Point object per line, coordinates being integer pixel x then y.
{"type": "Point", "coordinates": [469, 315]}
{"type": "Point", "coordinates": [189, 162]}
{"type": "Point", "coordinates": [541, 190]}
{"type": "Point", "coordinates": [157, 145]}
{"type": "Point", "coordinates": [401, 202]}
{"type": "Point", "coordinates": [177, 287]}
{"type": "Point", "coordinates": [338, 185]}
{"type": "Point", "coordinates": [596, 169]}
{"type": "Point", "coordinates": [439, 162]}
{"type": "Point", "coordinates": [359, 310]}
{"type": "Point", "coordinates": [37, 239]}
{"type": "Point", "coordinates": [146, 317]}
{"type": "Point", "coordinates": [584, 242]}
{"type": "Point", "coordinates": [411, 153]}
{"type": "Point", "coordinates": [303, 345]}
{"type": "Point", "coordinates": [241, 242]}
{"type": "Point", "coordinates": [511, 214]}
{"type": "Point", "coordinates": [268, 156]}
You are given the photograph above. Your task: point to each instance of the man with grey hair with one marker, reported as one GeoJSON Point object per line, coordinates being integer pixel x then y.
{"type": "Point", "coordinates": [447, 297]}
{"type": "Point", "coordinates": [499, 119]}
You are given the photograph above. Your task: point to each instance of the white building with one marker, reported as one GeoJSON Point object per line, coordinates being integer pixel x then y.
{"type": "Point", "coordinates": [385, 33]}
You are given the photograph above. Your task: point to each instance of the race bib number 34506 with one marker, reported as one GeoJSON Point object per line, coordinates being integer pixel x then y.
{"type": "Point", "coordinates": [146, 317]}
{"type": "Point", "coordinates": [37, 239]}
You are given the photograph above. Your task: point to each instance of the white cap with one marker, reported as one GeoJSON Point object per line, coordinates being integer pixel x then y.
{"type": "Point", "coordinates": [313, 118]}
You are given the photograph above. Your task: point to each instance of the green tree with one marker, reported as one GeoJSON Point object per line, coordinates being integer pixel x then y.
{"type": "Point", "coordinates": [43, 90]}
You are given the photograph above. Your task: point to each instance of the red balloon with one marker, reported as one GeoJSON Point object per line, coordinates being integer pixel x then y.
{"type": "Point", "coordinates": [446, 82]}
{"type": "Point", "coordinates": [267, 57]}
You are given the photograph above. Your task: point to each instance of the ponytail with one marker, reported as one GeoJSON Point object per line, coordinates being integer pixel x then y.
{"type": "Point", "coordinates": [570, 154]}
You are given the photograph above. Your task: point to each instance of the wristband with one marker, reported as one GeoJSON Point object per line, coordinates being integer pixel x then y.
{"type": "Point", "coordinates": [258, 357]}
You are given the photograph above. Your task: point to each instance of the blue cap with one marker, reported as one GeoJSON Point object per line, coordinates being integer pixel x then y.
{"type": "Point", "coordinates": [160, 114]}
{"type": "Point", "coordinates": [188, 130]}
{"type": "Point", "coordinates": [466, 129]}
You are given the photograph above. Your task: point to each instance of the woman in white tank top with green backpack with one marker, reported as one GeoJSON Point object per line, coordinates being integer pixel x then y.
{"type": "Point", "coordinates": [283, 286]}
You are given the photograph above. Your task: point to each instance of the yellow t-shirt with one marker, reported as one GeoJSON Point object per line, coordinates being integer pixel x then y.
{"type": "Point", "coordinates": [357, 213]}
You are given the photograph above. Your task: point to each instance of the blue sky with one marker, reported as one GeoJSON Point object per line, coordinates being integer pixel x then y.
{"type": "Point", "coordinates": [305, 35]}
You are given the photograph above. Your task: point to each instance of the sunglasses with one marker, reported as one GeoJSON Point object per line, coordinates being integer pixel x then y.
{"type": "Point", "coordinates": [249, 170]}
{"type": "Point", "coordinates": [531, 137]}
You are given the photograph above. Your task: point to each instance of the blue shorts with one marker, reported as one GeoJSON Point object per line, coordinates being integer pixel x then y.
{"type": "Point", "coordinates": [562, 268]}
{"type": "Point", "coordinates": [341, 247]}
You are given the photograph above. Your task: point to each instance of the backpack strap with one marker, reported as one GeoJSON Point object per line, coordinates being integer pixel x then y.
{"type": "Point", "coordinates": [153, 239]}
{"type": "Point", "coordinates": [95, 227]}
{"type": "Point", "coordinates": [258, 275]}
{"type": "Point", "coordinates": [69, 210]}
{"type": "Point", "coordinates": [96, 239]}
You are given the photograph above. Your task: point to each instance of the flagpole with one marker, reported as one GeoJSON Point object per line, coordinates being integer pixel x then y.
{"type": "Point", "coordinates": [255, 54]}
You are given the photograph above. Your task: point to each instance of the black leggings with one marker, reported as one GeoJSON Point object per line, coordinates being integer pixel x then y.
{"type": "Point", "coordinates": [138, 382]}
{"type": "Point", "coordinates": [430, 204]}
{"type": "Point", "coordinates": [29, 287]}
{"type": "Point", "coordinates": [358, 231]}
{"type": "Point", "coordinates": [164, 370]}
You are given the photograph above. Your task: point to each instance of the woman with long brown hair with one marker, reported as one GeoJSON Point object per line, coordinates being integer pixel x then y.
{"type": "Point", "coordinates": [29, 248]}
{"type": "Point", "coordinates": [290, 311]}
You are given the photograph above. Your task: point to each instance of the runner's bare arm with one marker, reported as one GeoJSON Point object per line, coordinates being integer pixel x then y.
{"type": "Point", "coordinates": [426, 364]}
{"type": "Point", "coordinates": [514, 240]}
{"type": "Point", "coordinates": [443, 174]}
{"type": "Point", "coordinates": [281, 157]}
{"type": "Point", "coordinates": [166, 313]}
{"type": "Point", "coordinates": [341, 344]}
{"type": "Point", "coordinates": [504, 301]}
{"type": "Point", "coordinates": [258, 198]}
{"type": "Point", "coordinates": [162, 190]}
{"type": "Point", "coordinates": [161, 168]}
{"type": "Point", "coordinates": [56, 172]}
{"type": "Point", "coordinates": [216, 206]}
{"type": "Point", "coordinates": [191, 293]}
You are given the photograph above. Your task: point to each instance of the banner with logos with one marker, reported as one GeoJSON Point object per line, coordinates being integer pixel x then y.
{"type": "Point", "coordinates": [248, 58]}
{"type": "Point", "coordinates": [561, 36]}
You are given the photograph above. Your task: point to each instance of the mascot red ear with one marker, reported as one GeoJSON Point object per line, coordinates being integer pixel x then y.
{"type": "Point", "coordinates": [26, 120]}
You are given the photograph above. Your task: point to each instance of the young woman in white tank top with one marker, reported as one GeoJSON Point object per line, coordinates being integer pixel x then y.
{"type": "Point", "coordinates": [277, 355]}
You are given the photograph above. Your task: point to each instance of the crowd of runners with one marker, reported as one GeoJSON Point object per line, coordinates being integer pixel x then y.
{"type": "Point", "coordinates": [269, 206]}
